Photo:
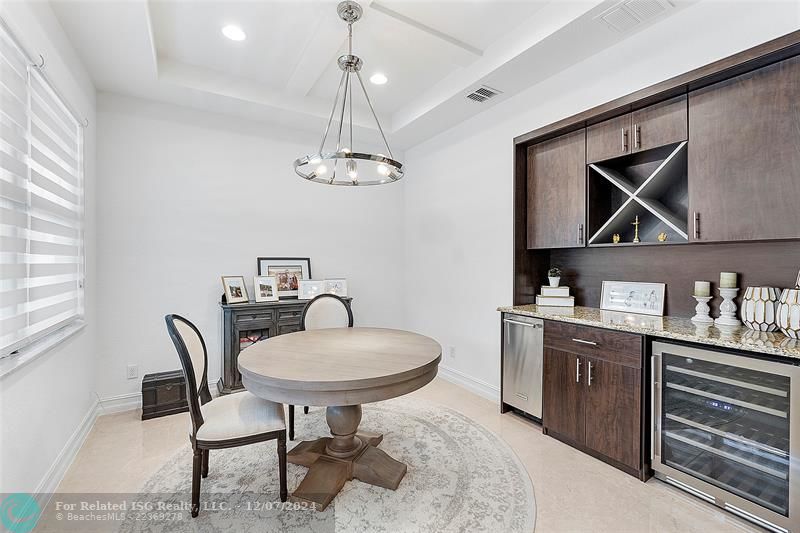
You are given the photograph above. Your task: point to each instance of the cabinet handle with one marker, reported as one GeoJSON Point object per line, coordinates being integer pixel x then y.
{"type": "Point", "coordinates": [590, 373]}
{"type": "Point", "coordinates": [585, 342]}
{"type": "Point", "coordinates": [580, 233]}
{"type": "Point", "coordinates": [624, 140]}
{"type": "Point", "coordinates": [577, 370]}
{"type": "Point", "coordinates": [696, 225]}
{"type": "Point", "coordinates": [526, 324]}
{"type": "Point", "coordinates": [637, 136]}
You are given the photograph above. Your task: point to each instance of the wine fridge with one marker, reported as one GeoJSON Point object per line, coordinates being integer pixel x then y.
{"type": "Point", "coordinates": [726, 428]}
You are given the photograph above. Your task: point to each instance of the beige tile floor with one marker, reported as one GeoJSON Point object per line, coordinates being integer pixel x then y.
{"type": "Point", "coordinates": [574, 492]}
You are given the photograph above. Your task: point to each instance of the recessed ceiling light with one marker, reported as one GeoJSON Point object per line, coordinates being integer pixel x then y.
{"type": "Point", "coordinates": [378, 78]}
{"type": "Point", "coordinates": [234, 32]}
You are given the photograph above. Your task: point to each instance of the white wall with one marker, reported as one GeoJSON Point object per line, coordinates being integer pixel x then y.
{"type": "Point", "coordinates": [190, 196]}
{"type": "Point", "coordinates": [45, 404]}
{"type": "Point", "coordinates": [458, 196]}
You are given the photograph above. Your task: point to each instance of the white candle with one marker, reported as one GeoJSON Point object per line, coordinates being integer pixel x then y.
{"type": "Point", "coordinates": [702, 288]}
{"type": "Point", "coordinates": [727, 280]}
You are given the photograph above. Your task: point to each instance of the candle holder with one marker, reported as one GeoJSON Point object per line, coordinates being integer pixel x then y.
{"type": "Point", "coordinates": [701, 310]}
{"type": "Point", "coordinates": [727, 309]}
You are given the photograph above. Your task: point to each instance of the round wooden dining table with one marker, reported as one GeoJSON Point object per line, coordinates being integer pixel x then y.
{"type": "Point", "coordinates": [340, 368]}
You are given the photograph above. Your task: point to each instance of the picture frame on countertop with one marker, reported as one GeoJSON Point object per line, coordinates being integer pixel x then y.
{"type": "Point", "coordinates": [633, 297]}
{"type": "Point", "coordinates": [287, 271]}
{"type": "Point", "coordinates": [336, 286]}
{"type": "Point", "coordinates": [235, 289]}
{"type": "Point", "coordinates": [265, 288]}
{"type": "Point", "coordinates": [309, 288]}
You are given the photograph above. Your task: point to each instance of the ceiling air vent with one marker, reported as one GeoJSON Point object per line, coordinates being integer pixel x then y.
{"type": "Point", "coordinates": [483, 93]}
{"type": "Point", "coordinates": [627, 14]}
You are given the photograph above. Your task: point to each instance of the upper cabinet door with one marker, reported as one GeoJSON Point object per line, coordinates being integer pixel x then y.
{"type": "Point", "coordinates": [660, 124]}
{"type": "Point", "coordinates": [557, 192]}
{"type": "Point", "coordinates": [608, 139]}
{"type": "Point", "coordinates": [744, 156]}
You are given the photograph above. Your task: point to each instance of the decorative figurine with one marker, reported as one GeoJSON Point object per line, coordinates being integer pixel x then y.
{"type": "Point", "coordinates": [635, 224]}
{"type": "Point", "coordinates": [615, 238]}
{"type": "Point", "coordinates": [662, 237]}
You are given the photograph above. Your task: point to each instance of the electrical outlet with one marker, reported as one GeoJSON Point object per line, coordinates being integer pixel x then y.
{"type": "Point", "coordinates": [451, 351]}
{"type": "Point", "coordinates": [133, 371]}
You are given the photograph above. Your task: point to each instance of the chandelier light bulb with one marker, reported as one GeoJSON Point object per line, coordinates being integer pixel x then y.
{"type": "Point", "coordinates": [352, 170]}
{"type": "Point", "coordinates": [321, 170]}
{"type": "Point", "coordinates": [316, 160]}
{"type": "Point", "coordinates": [383, 170]}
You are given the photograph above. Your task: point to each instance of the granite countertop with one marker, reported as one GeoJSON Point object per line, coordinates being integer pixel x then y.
{"type": "Point", "coordinates": [735, 337]}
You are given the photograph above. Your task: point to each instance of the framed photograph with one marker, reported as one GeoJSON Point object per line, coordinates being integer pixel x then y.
{"type": "Point", "coordinates": [287, 271]}
{"type": "Point", "coordinates": [310, 288]}
{"type": "Point", "coordinates": [336, 286]}
{"type": "Point", "coordinates": [235, 289]}
{"type": "Point", "coordinates": [266, 288]}
{"type": "Point", "coordinates": [633, 297]}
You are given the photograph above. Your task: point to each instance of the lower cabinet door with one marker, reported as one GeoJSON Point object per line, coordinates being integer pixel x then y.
{"type": "Point", "coordinates": [562, 397]}
{"type": "Point", "coordinates": [613, 411]}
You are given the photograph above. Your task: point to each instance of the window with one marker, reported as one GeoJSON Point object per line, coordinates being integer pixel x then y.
{"type": "Point", "coordinates": [41, 204]}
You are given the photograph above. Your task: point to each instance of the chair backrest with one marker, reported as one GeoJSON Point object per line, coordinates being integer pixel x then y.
{"type": "Point", "coordinates": [194, 360]}
{"type": "Point", "coordinates": [326, 311]}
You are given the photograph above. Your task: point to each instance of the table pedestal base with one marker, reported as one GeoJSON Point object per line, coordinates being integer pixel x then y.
{"type": "Point", "coordinates": [348, 454]}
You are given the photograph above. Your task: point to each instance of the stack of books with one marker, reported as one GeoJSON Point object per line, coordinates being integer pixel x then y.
{"type": "Point", "coordinates": [555, 297]}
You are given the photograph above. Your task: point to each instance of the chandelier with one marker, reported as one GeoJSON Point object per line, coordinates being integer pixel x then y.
{"type": "Point", "coordinates": [343, 165]}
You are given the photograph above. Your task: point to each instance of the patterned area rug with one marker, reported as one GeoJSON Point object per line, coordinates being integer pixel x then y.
{"type": "Point", "coordinates": [461, 477]}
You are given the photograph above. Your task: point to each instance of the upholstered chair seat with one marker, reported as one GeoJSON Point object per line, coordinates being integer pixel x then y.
{"type": "Point", "coordinates": [239, 415]}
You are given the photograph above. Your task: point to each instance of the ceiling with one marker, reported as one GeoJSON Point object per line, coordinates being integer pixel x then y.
{"type": "Point", "coordinates": [285, 72]}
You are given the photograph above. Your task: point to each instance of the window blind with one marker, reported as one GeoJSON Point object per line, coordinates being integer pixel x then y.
{"type": "Point", "coordinates": [41, 204]}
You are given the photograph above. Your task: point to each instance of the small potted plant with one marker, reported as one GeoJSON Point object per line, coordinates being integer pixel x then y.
{"type": "Point", "coordinates": [554, 276]}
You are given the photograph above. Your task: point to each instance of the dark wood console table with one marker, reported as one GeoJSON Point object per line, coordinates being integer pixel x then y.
{"type": "Point", "coordinates": [245, 323]}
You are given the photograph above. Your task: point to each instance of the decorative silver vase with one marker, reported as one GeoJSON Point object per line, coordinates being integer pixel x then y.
{"type": "Point", "coordinates": [759, 308]}
{"type": "Point", "coordinates": [789, 311]}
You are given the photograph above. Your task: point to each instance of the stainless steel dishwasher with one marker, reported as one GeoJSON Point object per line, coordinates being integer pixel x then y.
{"type": "Point", "coordinates": [523, 344]}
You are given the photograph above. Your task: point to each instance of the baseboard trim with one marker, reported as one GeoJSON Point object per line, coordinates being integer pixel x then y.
{"type": "Point", "coordinates": [121, 403]}
{"type": "Point", "coordinates": [478, 386]}
{"type": "Point", "coordinates": [133, 400]}
{"type": "Point", "coordinates": [49, 483]}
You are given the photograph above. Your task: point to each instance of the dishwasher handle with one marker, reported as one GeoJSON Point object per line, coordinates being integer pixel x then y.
{"type": "Point", "coordinates": [518, 323]}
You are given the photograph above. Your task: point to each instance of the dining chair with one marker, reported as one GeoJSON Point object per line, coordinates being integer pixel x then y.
{"type": "Point", "coordinates": [228, 421]}
{"type": "Point", "coordinates": [323, 311]}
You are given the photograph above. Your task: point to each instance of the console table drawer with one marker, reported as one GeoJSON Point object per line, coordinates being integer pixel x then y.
{"type": "Point", "coordinates": [613, 346]}
{"type": "Point", "coordinates": [293, 313]}
{"type": "Point", "coordinates": [249, 317]}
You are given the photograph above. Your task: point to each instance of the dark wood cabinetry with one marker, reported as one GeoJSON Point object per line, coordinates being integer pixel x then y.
{"type": "Point", "coordinates": [744, 156]}
{"type": "Point", "coordinates": [653, 126]}
{"type": "Point", "coordinates": [660, 124]}
{"type": "Point", "coordinates": [608, 139]}
{"type": "Point", "coordinates": [557, 192]}
{"type": "Point", "coordinates": [728, 135]}
{"type": "Point", "coordinates": [562, 398]}
{"type": "Point", "coordinates": [613, 410]}
{"type": "Point", "coordinates": [592, 392]}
